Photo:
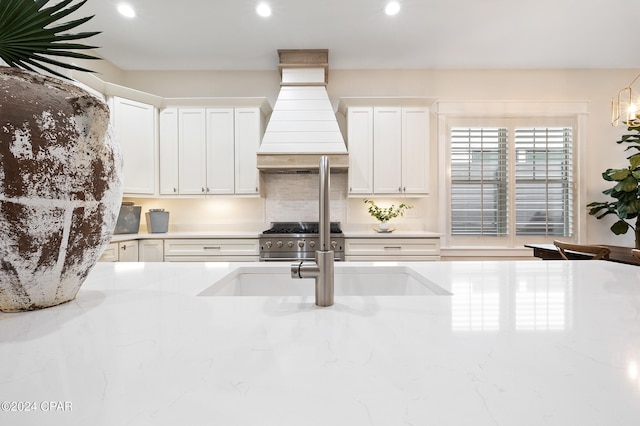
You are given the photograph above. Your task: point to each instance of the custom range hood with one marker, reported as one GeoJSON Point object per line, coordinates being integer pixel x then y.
{"type": "Point", "coordinates": [303, 125]}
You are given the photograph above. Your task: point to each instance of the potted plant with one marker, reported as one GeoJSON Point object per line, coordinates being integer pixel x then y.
{"type": "Point", "coordinates": [60, 185]}
{"type": "Point", "coordinates": [625, 192]}
{"type": "Point", "coordinates": [384, 215]}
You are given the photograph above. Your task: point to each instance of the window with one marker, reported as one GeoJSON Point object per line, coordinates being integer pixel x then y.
{"type": "Point", "coordinates": [511, 180]}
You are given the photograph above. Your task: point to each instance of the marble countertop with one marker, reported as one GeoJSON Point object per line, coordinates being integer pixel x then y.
{"type": "Point", "coordinates": [518, 343]}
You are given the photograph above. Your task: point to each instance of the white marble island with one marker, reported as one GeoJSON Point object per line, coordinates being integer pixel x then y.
{"type": "Point", "coordinates": [518, 343]}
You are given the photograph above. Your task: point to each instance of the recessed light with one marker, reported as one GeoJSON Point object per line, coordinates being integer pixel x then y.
{"type": "Point", "coordinates": [263, 9]}
{"type": "Point", "coordinates": [126, 10]}
{"type": "Point", "coordinates": [392, 8]}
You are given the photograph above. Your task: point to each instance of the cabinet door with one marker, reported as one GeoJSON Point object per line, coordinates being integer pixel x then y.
{"type": "Point", "coordinates": [135, 128]}
{"type": "Point", "coordinates": [128, 251]}
{"type": "Point", "coordinates": [220, 151]}
{"type": "Point", "coordinates": [110, 253]}
{"type": "Point", "coordinates": [169, 151]}
{"type": "Point", "coordinates": [387, 150]}
{"type": "Point", "coordinates": [360, 140]}
{"type": "Point", "coordinates": [151, 250]}
{"type": "Point", "coordinates": [248, 131]}
{"type": "Point", "coordinates": [192, 153]}
{"type": "Point", "coordinates": [415, 150]}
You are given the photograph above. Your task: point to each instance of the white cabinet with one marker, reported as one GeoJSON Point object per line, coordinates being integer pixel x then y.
{"type": "Point", "coordinates": [169, 151]}
{"type": "Point", "coordinates": [415, 150]}
{"type": "Point", "coordinates": [135, 127]}
{"type": "Point", "coordinates": [151, 250]}
{"type": "Point", "coordinates": [211, 250]}
{"type": "Point", "coordinates": [392, 249]}
{"type": "Point", "coordinates": [210, 151]}
{"type": "Point", "coordinates": [249, 128]}
{"type": "Point", "coordinates": [360, 137]}
{"type": "Point", "coordinates": [110, 253]}
{"type": "Point", "coordinates": [220, 149]}
{"type": "Point", "coordinates": [192, 151]}
{"type": "Point", "coordinates": [388, 150]}
{"type": "Point", "coordinates": [124, 251]}
{"type": "Point", "coordinates": [401, 150]}
{"type": "Point", "coordinates": [128, 251]}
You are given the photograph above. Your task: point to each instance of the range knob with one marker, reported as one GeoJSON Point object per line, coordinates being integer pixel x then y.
{"type": "Point", "coordinates": [300, 243]}
{"type": "Point", "coordinates": [334, 244]}
{"type": "Point", "coordinates": [312, 244]}
{"type": "Point", "coordinates": [279, 244]}
{"type": "Point", "coordinates": [268, 244]}
{"type": "Point", "coordinates": [290, 244]}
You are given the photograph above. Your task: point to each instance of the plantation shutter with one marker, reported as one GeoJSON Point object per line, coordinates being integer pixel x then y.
{"type": "Point", "coordinates": [544, 181]}
{"type": "Point", "coordinates": [479, 181]}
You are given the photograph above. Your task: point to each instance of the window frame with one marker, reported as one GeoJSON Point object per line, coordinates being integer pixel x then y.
{"type": "Point", "coordinates": [509, 114]}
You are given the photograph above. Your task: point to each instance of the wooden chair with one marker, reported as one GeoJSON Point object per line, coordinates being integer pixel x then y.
{"type": "Point", "coordinates": [597, 252]}
{"type": "Point", "coordinates": [636, 253]}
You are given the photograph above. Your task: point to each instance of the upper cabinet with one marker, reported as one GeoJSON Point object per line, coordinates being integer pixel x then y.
{"type": "Point", "coordinates": [388, 147]}
{"type": "Point", "coordinates": [210, 150]}
{"type": "Point", "coordinates": [135, 127]}
{"type": "Point", "coordinates": [249, 128]}
{"type": "Point", "coordinates": [360, 141]}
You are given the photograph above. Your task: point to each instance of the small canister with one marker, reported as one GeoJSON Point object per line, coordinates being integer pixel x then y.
{"type": "Point", "coordinates": [157, 221]}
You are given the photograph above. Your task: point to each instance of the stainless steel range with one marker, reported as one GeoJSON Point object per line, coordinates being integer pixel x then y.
{"type": "Point", "coordinates": [290, 241]}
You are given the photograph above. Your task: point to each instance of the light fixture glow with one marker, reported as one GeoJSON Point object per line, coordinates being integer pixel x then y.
{"type": "Point", "coordinates": [126, 10]}
{"type": "Point", "coordinates": [263, 10]}
{"type": "Point", "coordinates": [624, 110]}
{"type": "Point", "coordinates": [392, 8]}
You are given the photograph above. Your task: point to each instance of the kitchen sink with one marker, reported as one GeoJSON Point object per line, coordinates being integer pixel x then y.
{"type": "Point", "coordinates": [349, 281]}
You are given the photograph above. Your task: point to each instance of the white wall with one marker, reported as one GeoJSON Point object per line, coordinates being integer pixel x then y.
{"type": "Point", "coordinates": [594, 86]}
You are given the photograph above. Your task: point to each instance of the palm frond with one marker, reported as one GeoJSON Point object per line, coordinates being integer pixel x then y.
{"type": "Point", "coordinates": [30, 32]}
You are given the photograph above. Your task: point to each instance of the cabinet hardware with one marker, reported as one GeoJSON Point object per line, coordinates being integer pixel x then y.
{"type": "Point", "coordinates": [392, 247]}
{"type": "Point", "coordinates": [399, 189]}
{"type": "Point", "coordinates": [212, 248]}
{"type": "Point", "coordinates": [202, 189]}
{"type": "Point", "coordinates": [175, 190]}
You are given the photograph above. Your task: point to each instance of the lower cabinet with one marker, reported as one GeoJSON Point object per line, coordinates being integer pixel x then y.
{"type": "Point", "coordinates": [392, 249]}
{"type": "Point", "coordinates": [151, 250]}
{"type": "Point", "coordinates": [128, 251]}
{"type": "Point", "coordinates": [124, 251]}
{"type": "Point", "coordinates": [211, 250]}
{"type": "Point", "coordinates": [405, 249]}
{"type": "Point", "coordinates": [110, 254]}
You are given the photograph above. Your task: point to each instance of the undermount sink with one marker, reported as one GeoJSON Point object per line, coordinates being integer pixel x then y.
{"type": "Point", "coordinates": [349, 281]}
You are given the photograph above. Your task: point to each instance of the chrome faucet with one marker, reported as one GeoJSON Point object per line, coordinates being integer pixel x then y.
{"type": "Point", "coordinates": [322, 269]}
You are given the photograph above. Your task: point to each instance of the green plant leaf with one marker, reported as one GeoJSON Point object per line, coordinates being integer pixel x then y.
{"type": "Point", "coordinates": [617, 174]}
{"type": "Point", "coordinates": [27, 32]}
{"type": "Point", "coordinates": [634, 160]}
{"type": "Point", "coordinates": [627, 184]}
{"type": "Point", "coordinates": [620, 227]}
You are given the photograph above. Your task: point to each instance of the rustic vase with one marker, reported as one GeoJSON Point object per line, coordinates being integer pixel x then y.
{"type": "Point", "coordinates": [60, 188]}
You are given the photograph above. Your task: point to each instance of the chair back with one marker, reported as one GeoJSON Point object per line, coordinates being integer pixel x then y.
{"type": "Point", "coordinates": [598, 252]}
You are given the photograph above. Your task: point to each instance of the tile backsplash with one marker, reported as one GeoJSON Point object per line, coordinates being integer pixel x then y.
{"type": "Point", "coordinates": [293, 197]}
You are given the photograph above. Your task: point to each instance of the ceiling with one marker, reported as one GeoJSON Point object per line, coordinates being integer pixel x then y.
{"type": "Point", "coordinates": [439, 34]}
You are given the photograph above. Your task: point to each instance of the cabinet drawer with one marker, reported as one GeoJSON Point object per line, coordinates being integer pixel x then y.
{"type": "Point", "coordinates": [217, 247]}
{"type": "Point", "coordinates": [394, 247]}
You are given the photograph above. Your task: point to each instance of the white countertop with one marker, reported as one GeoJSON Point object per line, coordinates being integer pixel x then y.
{"type": "Point", "coordinates": [518, 343]}
{"type": "Point", "coordinates": [189, 234]}
{"type": "Point", "coordinates": [242, 234]}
